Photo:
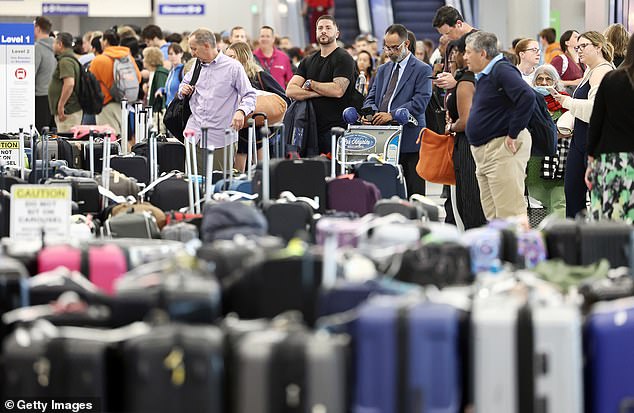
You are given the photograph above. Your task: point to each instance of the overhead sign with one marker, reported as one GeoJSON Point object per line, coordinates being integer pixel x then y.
{"type": "Point", "coordinates": [17, 76]}
{"type": "Point", "coordinates": [40, 209]}
{"type": "Point", "coordinates": [182, 9]}
{"type": "Point", "coordinates": [65, 9]}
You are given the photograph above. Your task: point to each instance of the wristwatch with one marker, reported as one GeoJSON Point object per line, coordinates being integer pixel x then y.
{"type": "Point", "coordinates": [307, 84]}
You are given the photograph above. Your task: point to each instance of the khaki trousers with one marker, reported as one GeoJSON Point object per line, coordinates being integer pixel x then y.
{"type": "Point", "coordinates": [71, 120]}
{"type": "Point", "coordinates": [111, 115]}
{"type": "Point", "coordinates": [501, 176]}
{"type": "Point", "coordinates": [218, 157]}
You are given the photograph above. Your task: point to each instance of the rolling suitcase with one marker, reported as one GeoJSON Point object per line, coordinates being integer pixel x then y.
{"type": "Point", "coordinates": [175, 368]}
{"type": "Point", "coordinates": [132, 165]}
{"type": "Point", "coordinates": [609, 334]}
{"type": "Point", "coordinates": [538, 349]}
{"type": "Point", "coordinates": [349, 194]}
{"type": "Point", "coordinates": [170, 155]}
{"type": "Point", "coordinates": [605, 239]}
{"type": "Point", "coordinates": [289, 217]}
{"type": "Point", "coordinates": [85, 192]}
{"type": "Point", "coordinates": [394, 205]}
{"type": "Point", "coordinates": [387, 177]}
{"type": "Point", "coordinates": [290, 370]}
{"type": "Point", "coordinates": [402, 346]}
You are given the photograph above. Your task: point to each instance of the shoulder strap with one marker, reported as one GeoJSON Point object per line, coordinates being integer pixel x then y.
{"type": "Point", "coordinates": [260, 81]}
{"type": "Point", "coordinates": [197, 68]}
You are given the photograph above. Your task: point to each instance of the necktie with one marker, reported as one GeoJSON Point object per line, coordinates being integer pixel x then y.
{"type": "Point", "coordinates": [390, 90]}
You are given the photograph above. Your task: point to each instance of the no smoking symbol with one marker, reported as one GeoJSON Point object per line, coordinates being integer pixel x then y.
{"type": "Point", "coordinates": [20, 73]}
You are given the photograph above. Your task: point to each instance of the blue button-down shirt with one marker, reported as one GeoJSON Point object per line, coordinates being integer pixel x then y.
{"type": "Point", "coordinates": [222, 88]}
{"type": "Point", "coordinates": [489, 67]}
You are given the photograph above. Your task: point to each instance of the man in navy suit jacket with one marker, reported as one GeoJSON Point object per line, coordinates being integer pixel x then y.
{"type": "Point", "coordinates": [408, 86]}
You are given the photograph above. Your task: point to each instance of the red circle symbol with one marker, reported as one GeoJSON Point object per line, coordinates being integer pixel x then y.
{"type": "Point", "coordinates": [20, 73]}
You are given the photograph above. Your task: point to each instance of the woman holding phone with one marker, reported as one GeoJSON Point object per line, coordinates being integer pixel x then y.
{"type": "Point", "coordinates": [596, 53]}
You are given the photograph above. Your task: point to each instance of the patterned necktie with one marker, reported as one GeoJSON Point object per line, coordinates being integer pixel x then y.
{"type": "Point", "coordinates": [390, 90]}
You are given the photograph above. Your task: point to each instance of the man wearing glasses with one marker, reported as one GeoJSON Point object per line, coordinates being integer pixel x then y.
{"type": "Point", "coordinates": [403, 82]}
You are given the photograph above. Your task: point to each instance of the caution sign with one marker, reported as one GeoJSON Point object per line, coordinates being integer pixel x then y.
{"type": "Point", "coordinates": [10, 153]}
{"type": "Point", "coordinates": [37, 209]}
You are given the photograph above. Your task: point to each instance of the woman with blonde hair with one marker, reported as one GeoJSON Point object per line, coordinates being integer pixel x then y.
{"type": "Point", "coordinates": [157, 76]}
{"type": "Point", "coordinates": [596, 53]}
{"type": "Point", "coordinates": [260, 80]}
{"type": "Point", "coordinates": [618, 37]}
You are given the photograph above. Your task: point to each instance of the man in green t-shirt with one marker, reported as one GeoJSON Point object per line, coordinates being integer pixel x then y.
{"type": "Point", "coordinates": [64, 87]}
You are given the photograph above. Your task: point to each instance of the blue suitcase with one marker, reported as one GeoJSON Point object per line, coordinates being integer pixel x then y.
{"type": "Point", "coordinates": [408, 357]}
{"type": "Point", "coordinates": [609, 340]}
{"type": "Point", "coordinates": [387, 177]}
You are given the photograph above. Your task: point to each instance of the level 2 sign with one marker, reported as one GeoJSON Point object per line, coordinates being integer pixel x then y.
{"type": "Point", "coordinates": [40, 209]}
{"type": "Point", "coordinates": [65, 9]}
{"type": "Point", "coordinates": [182, 9]}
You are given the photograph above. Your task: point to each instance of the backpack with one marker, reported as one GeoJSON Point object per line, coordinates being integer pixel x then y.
{"type": "Point", "coordinates": [126, 83]}
{"type": "Point", "coordinates": [88, 90]}
{"type": "Point", "coordinates": [541, 126]}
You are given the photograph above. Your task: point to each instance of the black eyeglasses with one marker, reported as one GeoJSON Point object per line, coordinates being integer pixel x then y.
{"type": "Point", "coordinates": [582, 46]}
{"type": "Point", "coordinates": [393, 48]}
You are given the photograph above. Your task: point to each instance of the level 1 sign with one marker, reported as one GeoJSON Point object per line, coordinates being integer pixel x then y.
{"type": "Point", "coordinates": [40, 209]}
{"type": "Point", "coordinates": [17, 76]}
{"type": "Point", "coordinates": [182, 9]}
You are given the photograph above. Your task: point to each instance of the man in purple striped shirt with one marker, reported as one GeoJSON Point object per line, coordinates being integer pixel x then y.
{"type": "Point", "coordinates": [221, 98]}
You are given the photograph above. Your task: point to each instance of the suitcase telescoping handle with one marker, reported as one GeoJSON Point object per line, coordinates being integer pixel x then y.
{"type": "Point", "coordinates": [266, 165]}
{"type": "Point", "coordinates": [252, 149]}
{"type": "Point", "coordinates": [21, 151]}
{"type": "Point", "coordinates": [191, 168]}
{"type": "Point", "coordinates": [153, 152]}
{"type": "Point", "coordinates": [253, 144]}
{"type": "Point", "coordinates": [105, 168]}
{"type": "Point", "coordinates": [335, 133]}
{"type": "Point", "coordinates": [124, 126]}
{"type": "Point", "coordinates": [45, 160]}
{"type": "Point", "coordinates": [33, 152]}
{"type": "Point", "coordinates": [91, 152]}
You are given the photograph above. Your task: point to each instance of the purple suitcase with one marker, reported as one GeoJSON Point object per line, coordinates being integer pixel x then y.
{"type": "Point", "coordinates": [351, 194]}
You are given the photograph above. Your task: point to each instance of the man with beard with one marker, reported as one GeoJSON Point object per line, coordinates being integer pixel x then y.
{"type": "Point", "coordinates": [327, 78]}
{"type": "Point", "coordinates": [403, 82]}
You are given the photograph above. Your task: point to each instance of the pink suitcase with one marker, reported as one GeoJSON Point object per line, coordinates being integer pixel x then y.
{"type": "Point", "coordinates": [106, 263]}
{"type": "Point", "coordinates": [52, 257]}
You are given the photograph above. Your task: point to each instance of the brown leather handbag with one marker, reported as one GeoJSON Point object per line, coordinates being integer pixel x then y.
{"type": "Point", "coordinates": [435, 159]}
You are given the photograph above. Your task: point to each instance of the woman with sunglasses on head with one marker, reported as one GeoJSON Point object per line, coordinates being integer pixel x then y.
{"type": "Point", "coordinates": [458, 103]}
{"type": "Point", "coordinates": [610, 173]}
{"type": "Point", "coordinates": [544, 175]}
{"type": "Point", "coordinates": [528, 53]}
{"type": "Point", "coordinates": [596, 53]}
{"type": "Point", "coordinates": [567, 64]}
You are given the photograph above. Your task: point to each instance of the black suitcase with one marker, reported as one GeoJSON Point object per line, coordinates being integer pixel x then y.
{"type": "Point", "coordinates": [605, 239]}
{"type": "Point", "coordinates": [85, 193]}
{"type": "Point", "coordinates": [84, 148]}
{"type": "Point", "coordinates": [64, 365]}
{"type": "Point", "coordinates": [274, 286]}
{"type": "Point", "coordinates": [386, 177]}
{"type": "Point", "coordinates": [403, 207]}
{"type": "Point", "coordinates": [562, 241]}
{"type": "Point", "coordinates": [302, 177]}
{"type": "Point", "coordinates": [61, 149]}
{"type": "Point", "coordinates": [171, 155]}
{"type": "Point", "coordinates": [171, 194]}
{"type": "Point", "coordinates": [175, 368]}
{"type": "Point", "coordinates": [133, 166]}
{"type": "Point", "coordinates": [289, 219]}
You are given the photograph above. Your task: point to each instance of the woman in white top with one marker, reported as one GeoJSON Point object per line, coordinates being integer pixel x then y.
{"type": "Point", "coordinates": [596, 53]}
{"type": "Point", "coordinates": [528, 54]}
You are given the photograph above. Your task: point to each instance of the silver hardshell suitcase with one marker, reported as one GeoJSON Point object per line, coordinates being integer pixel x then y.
{"type": "Point", "coordinates": [267, 382]}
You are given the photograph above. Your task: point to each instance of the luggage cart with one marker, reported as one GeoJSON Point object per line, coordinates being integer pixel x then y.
{"type": "Point", "coordinates": [359, 141]}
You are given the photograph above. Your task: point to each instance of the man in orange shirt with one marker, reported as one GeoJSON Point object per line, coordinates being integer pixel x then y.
{"type": "Point", "coordinates": [314, 9]}
{"type": "Point", "coordinates": [548, 41]}
{"type": "Point", "coordinates": [102, 67]}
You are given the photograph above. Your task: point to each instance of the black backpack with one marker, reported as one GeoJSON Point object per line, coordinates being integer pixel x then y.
{"type": "Point", "coordinates": [89, 91]}
{"type": "Point", "coordinates": [541, 126]}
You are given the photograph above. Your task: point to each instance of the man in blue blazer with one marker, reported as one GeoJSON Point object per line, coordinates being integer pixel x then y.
{"type": "Point", "coordinates": [403, 82]}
